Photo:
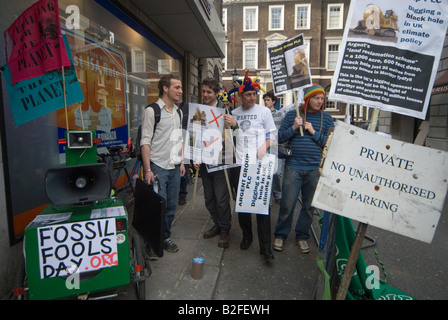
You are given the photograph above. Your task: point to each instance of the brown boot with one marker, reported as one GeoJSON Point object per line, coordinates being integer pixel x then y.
{"type": "Point", "coordinates": [212, 232]}
{"type": "Point", "coordinates": [224, 240]}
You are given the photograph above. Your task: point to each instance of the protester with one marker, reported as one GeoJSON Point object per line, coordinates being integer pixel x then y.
{"type": "Point", "coordinates": [259, 119]}
{"type": "Point", "coordinates": [301, 168]}
{"type": "Point", "coordinates": [269, 102]}
{"type": "Point", "coordinates": [216, 192]}
{"type": "Point", "coordinates": [227, 99]}
{"type": "Point", "coordinates": [161, 161]}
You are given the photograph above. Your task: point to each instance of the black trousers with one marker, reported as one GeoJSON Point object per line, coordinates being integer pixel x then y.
{"type": "Point", "coordinates": [217, 198]}
{"type": "Point", "coordinates": [245, 220]}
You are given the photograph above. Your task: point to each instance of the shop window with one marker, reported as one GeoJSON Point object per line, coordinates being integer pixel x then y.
{"type": "Point", "coordinates": [109, 57]}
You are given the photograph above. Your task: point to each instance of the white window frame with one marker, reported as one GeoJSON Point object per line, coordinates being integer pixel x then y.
{"type": "Point", "coordinates": [282, 17]}
{"type": "Point", "coordinates": [308, 26]}
{"type": "Point", "coordinates": [224, 19]}
{"type": "Point", "coordinates": [341, 16]}
{"type": "Point", "coordinates": [138, 54]}
{"type": "Point", "coordinates": [164, 66]}
{"type": "Point", "coordinates": [251, 44]}
{"type": "Point", "coordinates": [255, 27]}
{"type": "Point", "coordinates": [224, 60]}
{"type": "Point", "coordinates": [328, 44]}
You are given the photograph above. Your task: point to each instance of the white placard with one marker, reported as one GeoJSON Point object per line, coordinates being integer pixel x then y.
{"type": "Point", "coordinates": [255, 184]}
{"type": "Point", "coordinates": [390, 184]}
{"type": "Point", "coordinates": [204, 136]}
{"type": "Point", "coordinates": [390, 53]}
{"type": "Point", "coordinates": [77, 247]}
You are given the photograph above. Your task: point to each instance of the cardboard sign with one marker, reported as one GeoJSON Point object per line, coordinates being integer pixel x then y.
{"type": "Point", "coordinates": [77, 247]}
{"type": "Point", "coordinates": [386, 183]}
{"type": "Point", "coordinates": [255, 184]}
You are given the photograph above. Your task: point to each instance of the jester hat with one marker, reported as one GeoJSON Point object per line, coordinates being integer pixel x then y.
{"type": "Point", "coordinates": [247, 84]}
{"type": "Point", "coordinates": [225, 96]}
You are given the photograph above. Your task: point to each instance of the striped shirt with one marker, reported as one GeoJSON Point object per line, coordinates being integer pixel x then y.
{"type": "Point", "coordinates": [306, 150]}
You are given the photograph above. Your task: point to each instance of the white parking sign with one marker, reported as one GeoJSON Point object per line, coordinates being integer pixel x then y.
{"type": "Point", "coordinates": [396, 186]}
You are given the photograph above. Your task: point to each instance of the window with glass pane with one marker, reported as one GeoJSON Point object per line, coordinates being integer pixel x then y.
{"type": "Point", "coordinates": [250, 58]}
{"type": "Point", "coordinates": [276, 21]}
{"type": "Point", "coordinates": [250, 19]}
{"type": "Point", "coordinates": [117, 70]}
{"type": "Point", "coordinates": [302, 19]}
{"type": "Point", "coordinates": [332, 56]}
{"type": "Point", "coordinates": [334, 16]}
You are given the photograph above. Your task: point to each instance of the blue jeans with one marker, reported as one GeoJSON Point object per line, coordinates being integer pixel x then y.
{"type": "Point", "coordinates": [294, 182]}
{"type": "Point", "coordinates": [169, 184]}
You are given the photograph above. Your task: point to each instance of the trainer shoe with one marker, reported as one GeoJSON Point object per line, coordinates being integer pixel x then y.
{"type": "Point", "coordinates": [169, 245]}
{"type": "Point", "coordinates": [303, 246]}
{"type": "Point", "coordinates": [278, 244]}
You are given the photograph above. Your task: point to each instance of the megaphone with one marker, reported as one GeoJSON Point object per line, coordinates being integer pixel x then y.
{"type": "Point", "coordinates": [79, 139]}
{"type": "Point", "coordinates": [78, 185]}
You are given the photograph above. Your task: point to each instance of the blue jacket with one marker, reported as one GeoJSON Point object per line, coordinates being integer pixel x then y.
{"type": "Point", "coordinates": [306, 150]}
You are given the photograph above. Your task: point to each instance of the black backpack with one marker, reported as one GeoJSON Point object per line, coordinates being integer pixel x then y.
{"type": "Point", "coordinates": [156, 108]}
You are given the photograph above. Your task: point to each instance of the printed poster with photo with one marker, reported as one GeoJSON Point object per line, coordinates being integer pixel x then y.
{"type": "Point", "coordinates": [102, 77]}
{"type": "Point", "coordinates": [390, 53]}
{"type": "Point", "coordinates": [289, 65]}
{"type": "Point", "coordinates": [208, 137]}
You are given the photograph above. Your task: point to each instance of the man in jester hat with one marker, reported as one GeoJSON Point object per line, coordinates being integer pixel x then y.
{"type": "Point", "coordinates": [255, 119]}
{"type": "Point", "coordinates": [300, 174]}
{"type": "Point", "coordinates": [227, 99]}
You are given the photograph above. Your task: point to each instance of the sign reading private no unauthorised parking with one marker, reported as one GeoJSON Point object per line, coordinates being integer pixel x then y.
{"type": "Point", "coordinates": [390, 184]}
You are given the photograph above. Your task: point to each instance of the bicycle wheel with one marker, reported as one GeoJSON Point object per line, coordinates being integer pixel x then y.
{"type": "Point", "coordinates": [139, 263]}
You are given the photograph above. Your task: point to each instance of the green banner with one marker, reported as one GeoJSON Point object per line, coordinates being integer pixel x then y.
{"type": "Point", "coordinates": [364, 284]}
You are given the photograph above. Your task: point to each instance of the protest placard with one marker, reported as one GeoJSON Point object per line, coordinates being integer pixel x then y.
{"type": "Point", "coordinates": [254, 187]}
{"type": "Point", "coordinates": [204, 141]}
{"type": "Point", "coordinates": [389, 54]}
{"type": "Point", "coordinates": [36, 42]}
{"type": "Point", "coordinates": [77, 247]}
{"type": "Point", "coordinates": [396, 186]}
{"type": "Point", "coordinates": [289, 65]}
{"type": "Point", "coordinates": [35, 97]}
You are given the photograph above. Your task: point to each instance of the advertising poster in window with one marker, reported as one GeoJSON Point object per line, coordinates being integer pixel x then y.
{"type": "Point", "coordinates": [289, 65]}
{"type": "Point", "coordinates": [390, 54]}
{"type": "Point", "coordinates": [100, 72]}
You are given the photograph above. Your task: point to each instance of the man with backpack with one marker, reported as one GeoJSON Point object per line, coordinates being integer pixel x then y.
{"type": "Point", "coordinates": [161, 148]}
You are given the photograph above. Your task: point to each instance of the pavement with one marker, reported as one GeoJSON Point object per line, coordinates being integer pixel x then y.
{"type": "Point", "coordinates": [417, 268]}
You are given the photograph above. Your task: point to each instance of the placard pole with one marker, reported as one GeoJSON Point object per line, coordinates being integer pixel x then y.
{"type": "Point", "coordinates": [194, 188]}
{"type": "Point", "coordinates": [360, 233]}
{"type": "Point", "coordinates": [297, 111]}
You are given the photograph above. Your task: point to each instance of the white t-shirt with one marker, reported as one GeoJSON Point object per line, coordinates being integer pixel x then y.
{"type": "Point", "coordinates": [256, 125]}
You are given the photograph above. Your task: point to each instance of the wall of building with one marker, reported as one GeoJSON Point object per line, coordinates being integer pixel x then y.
{"type": "Point", "coordinates": [438, 121]}
{"type": "Point", "coordinates": [317, 36]}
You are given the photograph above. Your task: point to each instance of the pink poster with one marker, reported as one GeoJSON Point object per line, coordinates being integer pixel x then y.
{"type": "Point", "coordinates": [37, 44]}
